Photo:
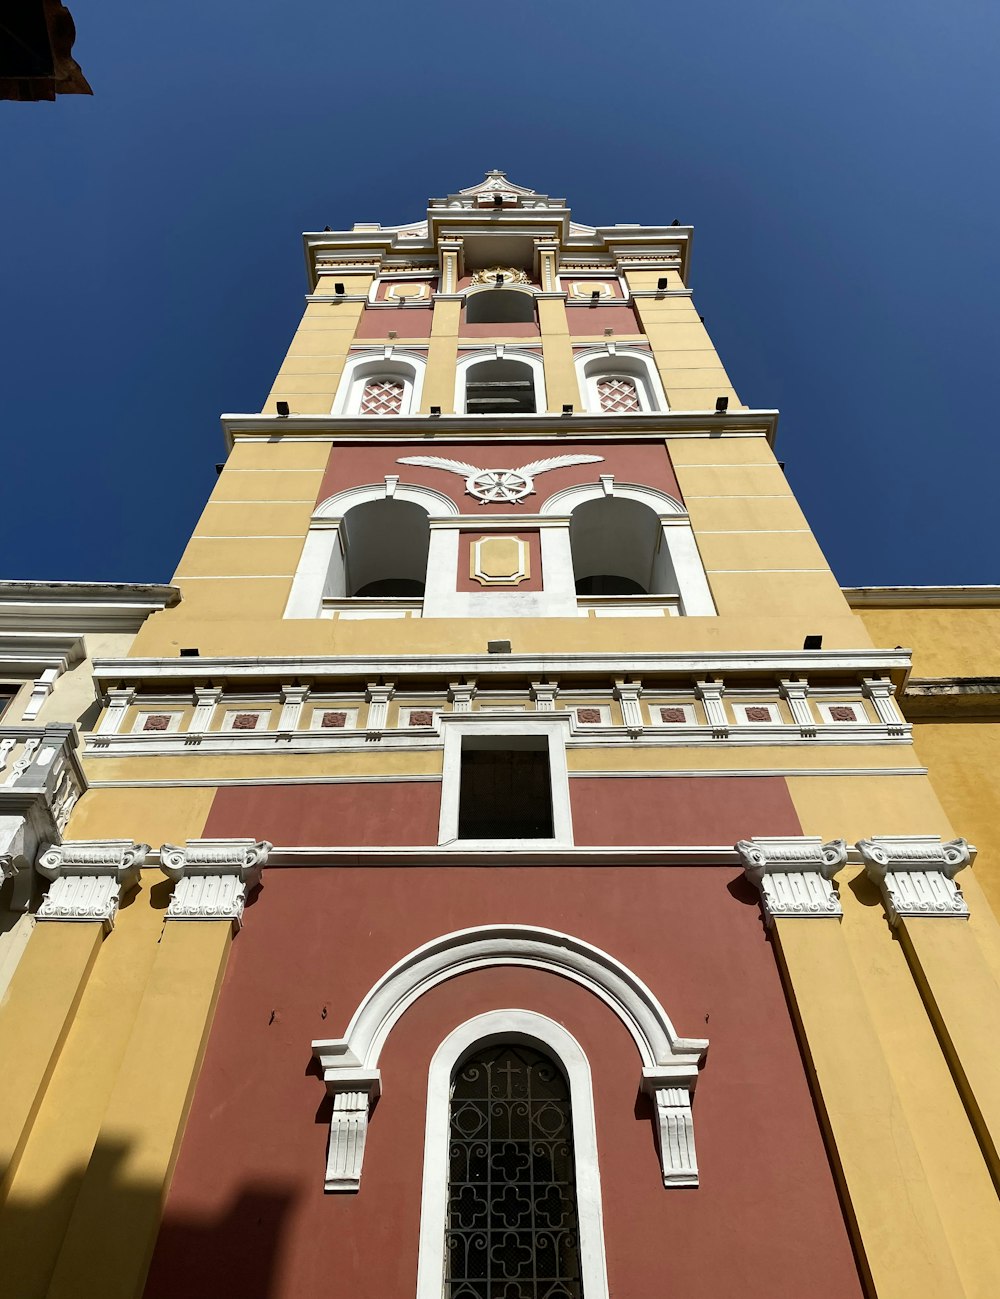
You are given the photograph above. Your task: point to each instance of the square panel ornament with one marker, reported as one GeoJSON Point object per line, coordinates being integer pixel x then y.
{"type": "Point", "coordinates": [500, 561]}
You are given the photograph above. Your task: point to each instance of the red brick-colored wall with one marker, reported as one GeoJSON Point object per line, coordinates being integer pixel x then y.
{"type": "Point", "coordinates": [246, 1213]}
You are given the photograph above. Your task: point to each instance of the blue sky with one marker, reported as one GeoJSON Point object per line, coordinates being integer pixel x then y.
{"type": "Point", "coordinates": [838, 161]}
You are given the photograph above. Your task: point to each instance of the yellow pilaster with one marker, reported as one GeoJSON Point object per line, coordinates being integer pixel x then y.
{"type": "Point", "coordinates": [561, 387]}
{"type": "Point", "coordinates": [442, 356]}
{"type": "Point", "coordinates": [894, 1220]}
{"type": "Point", "coordinates": [963, 1001]}
{"type": "Point", "coordinates": [111, 1235]}
{"type": "Point", "coordinates": [35, 1017]}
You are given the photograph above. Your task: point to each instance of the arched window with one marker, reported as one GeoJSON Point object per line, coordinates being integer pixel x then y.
{"type": "Point", "coordinates": [377, 386]}
{"type": "Point", "coordinates": [500, 387]}
{"type": "Point", "coordinates": [620, 383]}
{"type": "Point", "coordinates": [618, 549]}
{"type": "Point", "coordinates": [385, 549]}
{"type": "Point", "coordinates": [499, 307]}
{"type": "Point", "coordinates": [512, 1229]}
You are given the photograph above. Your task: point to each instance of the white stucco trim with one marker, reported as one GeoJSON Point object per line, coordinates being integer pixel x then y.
{"type": "Point", "coordinates": [531, 1029]}
{"type": "Point", "coordinates": [554, 727]}
{"type": "Point", "coordinates": [490, 354]}
{"type": "Point", "coordinates": [571, 958]}
{"type": "Point", "coordinates": [388, 361]}
{"type": "Point", "coordinates": [678, 535]}
{"type": "Point", "coordinates": [597, 363]}
{"type": "Point", "coordinates": [317, 577]}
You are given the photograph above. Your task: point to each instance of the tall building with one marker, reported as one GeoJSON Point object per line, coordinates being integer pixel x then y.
{"type": "Point", "coordinates": [507, 872]}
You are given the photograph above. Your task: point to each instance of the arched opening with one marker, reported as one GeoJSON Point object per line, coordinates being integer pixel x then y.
{"type": "Point", "coordinates": [500, 387]}
{"type": "Point", "coordinates": [513, 1225]}
{"type": "Point", "coordinates": [623, 384]}
{"type": "Point", "coordinates": [380, 387]}
{"type": "Point", "coordinates": [499, 307]}
{"type": "Point", "coordinates": [618, 549]}
{"type": "Point", "coordinates": [385, 545]}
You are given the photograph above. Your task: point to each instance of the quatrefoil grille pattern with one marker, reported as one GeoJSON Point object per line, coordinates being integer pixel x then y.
{"type": "Point", "coordinates": [512, 1219]}
{"type": "Point", "coordinates": [618, 395]}
{"type": "Point", "coordinates": [382, 397]}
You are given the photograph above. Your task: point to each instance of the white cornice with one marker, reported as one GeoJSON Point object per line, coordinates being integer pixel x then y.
{"type": "Point", "coordinates": [71, 608]}
{"type": "Point", "coordinates": [724, 663]}
{"type": "Point", "coordinates": [660, 424]}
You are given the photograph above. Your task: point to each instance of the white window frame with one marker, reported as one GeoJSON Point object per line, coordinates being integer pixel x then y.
{"type": "Point", "coordinates": [407, 367]}
{"type": "Point", "coordinates": [623, 362]}
{"type": "Point", "coordinates": [555, 727]}
{"type": "Point", "coordinates": [507, 353]}
{"type": "Point", "coordinates": [531, 1029]}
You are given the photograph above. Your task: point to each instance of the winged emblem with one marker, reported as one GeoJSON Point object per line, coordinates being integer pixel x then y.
{"type": "Point", "coordinates": [492, 485]}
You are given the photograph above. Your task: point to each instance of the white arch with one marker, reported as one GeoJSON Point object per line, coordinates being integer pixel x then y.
{"type": "Point", "coordinates": [678, 536]}
{"type": "Point", "coordinates": [533, 362]}
{"type": "Point", "coordinates": [409, 367]}
{"type": "Point", "coordinates": [320, 570]}
{"type": "Point", "coordinates": [525, 945]}
{"type": "Point", "coordinates": [527, 1027]}
{"type": "Point", "coordinates": [596, 363]}
{"type": "Point", "coordinates": [566, 501]}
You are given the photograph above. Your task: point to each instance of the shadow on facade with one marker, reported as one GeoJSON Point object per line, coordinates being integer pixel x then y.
{"type": "Point", "coordinates": [94, 1231]}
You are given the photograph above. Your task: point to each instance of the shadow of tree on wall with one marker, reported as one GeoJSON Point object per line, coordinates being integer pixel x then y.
{"type": "Point", "coordinates": [59, 1238]}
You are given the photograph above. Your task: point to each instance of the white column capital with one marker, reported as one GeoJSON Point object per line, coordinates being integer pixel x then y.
{"type": "Point", "coordinates": [89, 878]}
{"type": "Point", "coordinates": [292, 700]}
{"type": "Point", "coordinates": [461, 695]}
{"type": "Point", "coordinates": [794, 874]}
{"type": "Point", "coordinates": [710, 693]}
{"type": "Point", "coordinates": [627, 693]}
{"type": "Point", "coordinates": [796, 692]}
{"type": "Point", "coordinates": [213, 877]}
{"type": "Point", "coordinates": [916, 874]}
{"type": "Point", "coordinates": [378, 695]}
{"type": "Point", "coordinates": [543, 695]}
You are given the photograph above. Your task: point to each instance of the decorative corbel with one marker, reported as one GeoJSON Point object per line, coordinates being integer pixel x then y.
{"type": "Point", "coordinates": [378, 696]}
{"type": "Point", "coordinates": [543, 695]}
{"type": "Point", "coordinates": [89, 878]}
{"type": "Point", "coordinates": [794, 875]}
{"type": "Point", "coordinates": [213, 877]}
{"type": "Point", "coordinates": [710, 693]}
{"type": "Point", "coordinates": [461, 695]}
{"type": "Point", "coordinates": [354, 1091]}
{"type": "Point", "coordinates": [797, 694]}
{"type": "Point", "coordinates": [671, 1095]}
{"type": "Point", "coordinates": [916, 874]}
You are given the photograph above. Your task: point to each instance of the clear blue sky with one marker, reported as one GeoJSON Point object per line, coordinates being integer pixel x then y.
{"type": "Point", "coordinates": [838, 160]}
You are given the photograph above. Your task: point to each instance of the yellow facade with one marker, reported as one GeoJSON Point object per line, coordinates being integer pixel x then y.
{"type": "Point", "coordinates": [896, 1021]}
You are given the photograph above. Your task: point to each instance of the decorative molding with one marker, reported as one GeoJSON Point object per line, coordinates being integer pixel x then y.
{"type": "Point", "coordinates": [499, 485]}
{"type": "Point", "coordinates": [89, 878]}
{"type": "Point", "coordinates": [461, 695]}
{"type": "Point", "coordinates": [352, 1103]}
{"type": "Point", "coordinates": [674, 1128]}
{"type": "Point", "coordinates": [377, 695]}
{"type": "Point", "coordinates": [796, 692]}
{"type": "Point", "coordinates": [41, 688]}
{"type": "Point", "coordinates": [116, 704]}
{"type": "Point", "coordinates": [710, 693]}
{"type": "Point", "coordinates": [880, 691]}
{"type": "Point", "coordinates": [627, 693]}
{"type": "Point", "coordinates": [916, 874]}
{"type": "Point", "coordinates": [212, 877]}
{"type": "Point", "coordinates": [794, 874]}
{"type": "Point", "coordinates": [293, 699]}
{"type": "Point", "coordinates": [503, 560]}
{"type": "Point", "coordinates": [543, 695]}
{"type": "Point", "coordinates": [205, 700]}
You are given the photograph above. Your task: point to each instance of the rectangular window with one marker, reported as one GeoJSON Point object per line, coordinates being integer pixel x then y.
{"type": "Point", "coordinates": [505, 788]}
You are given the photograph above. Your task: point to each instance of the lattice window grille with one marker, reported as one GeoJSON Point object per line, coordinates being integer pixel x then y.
{"type": "Point", "coordinates": [618, 395]}
{"type": "Point", "coordinates": [512, 1214]}
{"type": "Point", "coordinates": [382, 397]}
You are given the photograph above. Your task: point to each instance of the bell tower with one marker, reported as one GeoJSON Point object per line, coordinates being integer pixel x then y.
{"type": "Point", "coordinates": [512, 741]}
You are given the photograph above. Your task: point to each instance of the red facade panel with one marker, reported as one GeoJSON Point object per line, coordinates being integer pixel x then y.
{"type": "Point", "coordinates": [247, 1213]}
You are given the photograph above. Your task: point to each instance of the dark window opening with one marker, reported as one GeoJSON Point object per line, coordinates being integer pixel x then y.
{"type": "Point", "coordinates": [506, 788]}
{"type": "Point", "coordinates": [500, 388]}
{"type": "Point", "coordinates": [609, 584]}
{"type": "Point", "coordinates": [512, 1209]}
{"type": "Point", "coordinates": [392, 586]}
{"type": "Point", "coordinates": [499, 307]}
